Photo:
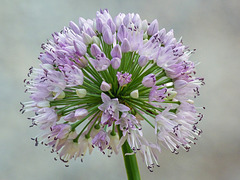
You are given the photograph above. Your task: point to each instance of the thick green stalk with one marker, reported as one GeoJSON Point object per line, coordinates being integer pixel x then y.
{"type": "Point", "coordinates": [130, 161]}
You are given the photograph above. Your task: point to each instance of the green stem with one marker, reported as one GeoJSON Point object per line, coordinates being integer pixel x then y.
{"type": "Point", "coordinates": [130, 161]}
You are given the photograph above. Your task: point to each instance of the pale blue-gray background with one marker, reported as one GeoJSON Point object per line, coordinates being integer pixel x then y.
{"type": "Point", "coordinates": [212, 27]}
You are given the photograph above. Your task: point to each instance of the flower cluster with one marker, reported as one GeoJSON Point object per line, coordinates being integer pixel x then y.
{"type": "Point", "coordinates": [100, 80]}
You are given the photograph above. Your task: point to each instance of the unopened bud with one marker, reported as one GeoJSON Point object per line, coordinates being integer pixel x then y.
{"type": "Point", "coordinates": [126, 19]}
{"type": "Point", "coordinates": [47, 66]}
{"type": "Point", "coordinates": [125, 45]}
{"type": "Point", "coordinates": [149, 80]}
{"type": "Point", "coordinates": [87, 39]}
{"type": "Point", "coordinates": [172, 94]}
{"type": "Point", "coordinates": [70, 117]}
{"type": "Point", "coordinates": [116, 51]}
{"type": "Point", "coordinates": [60, 96]}
{"type": "Point", "coordinates": [74, 27]}
{"type": "Point", "coordinates": [134, 94]}
{"type": "Point", "coordinates": [95, 50]}
{"type": "Point", "coordinates": [90, 32]}
{"type": "Point", "coordinates": [112, 26]}
{"type": "Point", "coordinates": [107, 35]}
{"type": "Point", "coordinates": [96, 40]}
{"type": "Point", "coordinates": [116, 62]}
{"type": "Point", "coordinates": [118, 20]}
{"type": "Point", "coordinates": [144, 25]}
{"type": "Point", "coordinates": [142, 61]}
{"type": "Point", "coordinates": [153, 28]}
{"type": "Point", "coordinates": [145, 41]}
{"type": "Point", "coordinates": [94, 25]}
{"type": "Point", "coordinates": [80, 47]}
{"type": "Point", "coordinates": [42, 104]}
{"type": "Point", "coordinates": [80, 113]}
{"type": "Point", "coordinates": [105, 86]}
{"type": "Point", "coordinates": [99, 25]}
{"type": "Point", "coordinates": [122, 33]}
{"type": "Point", "coordinates": [190, 101]}
{"type": "Point", "coordinates": [145, 36]}
{"type": "Point", "coordinates": [81, 93]}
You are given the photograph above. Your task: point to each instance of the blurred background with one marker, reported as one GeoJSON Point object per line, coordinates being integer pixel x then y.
{"type": "Point", "coordinates": [212, 27]}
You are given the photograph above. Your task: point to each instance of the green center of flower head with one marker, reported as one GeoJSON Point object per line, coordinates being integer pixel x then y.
{"type": "Point", "coordinates": [106, 77]}
{"type": "Point", "coordinates": [124, 83]}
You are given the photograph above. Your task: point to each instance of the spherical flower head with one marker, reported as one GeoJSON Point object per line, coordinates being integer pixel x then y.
{"type": "Point", "coordinates": [123, 78]}
{"type": "Point", "coordinates": [102, 81]}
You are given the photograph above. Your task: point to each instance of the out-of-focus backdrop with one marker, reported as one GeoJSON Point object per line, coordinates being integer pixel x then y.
{"type": "Point", "coordinates": [212, 27]}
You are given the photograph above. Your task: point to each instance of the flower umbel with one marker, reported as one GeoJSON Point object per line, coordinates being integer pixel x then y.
{"type": "Point", "coordinates": [101, 79]}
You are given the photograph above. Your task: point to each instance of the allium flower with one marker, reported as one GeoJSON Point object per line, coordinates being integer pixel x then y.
{"type": "Point", "coordinates": [128, 122]}
{"type": "Point", "coordinates": [101, 140]}
{"type": "Point", "coordinates": [123, 79]}
{"type": "Point", "coordinates": [111, 108]}
{"type": "Point", "coordinates": [157, 94]}
{"type": "Point", "coordinates": [101, 79]}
